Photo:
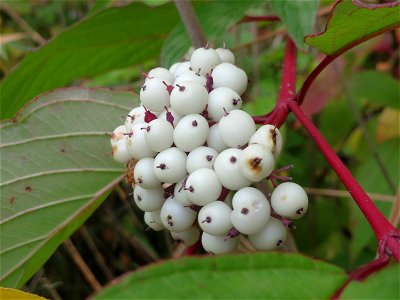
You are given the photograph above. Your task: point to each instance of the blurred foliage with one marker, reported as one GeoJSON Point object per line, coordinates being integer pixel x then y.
{"type": "Point", "coordinates": [333, 229]}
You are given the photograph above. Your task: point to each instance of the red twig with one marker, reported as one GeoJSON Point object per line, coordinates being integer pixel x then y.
{"type": "Point", "coordinates": [247, 19]}
{"type": "Point", "coordinates": [362, 273]}
{"type": "Point", "coordinates": [387, 235]}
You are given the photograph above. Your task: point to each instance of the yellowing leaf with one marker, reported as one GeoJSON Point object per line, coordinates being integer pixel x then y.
{"type": "Point", "coordinates": [12, 294]}
{"type": "Point", "coordinates": [388, 125]}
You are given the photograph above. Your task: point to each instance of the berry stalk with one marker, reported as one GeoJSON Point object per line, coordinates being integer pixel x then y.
{"type": "Point", "coordinates": [387, 235]}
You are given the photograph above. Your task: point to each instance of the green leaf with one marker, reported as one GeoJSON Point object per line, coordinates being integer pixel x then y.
{"type": "Point", "coordinates": [215, 17]}
{"type": "Point", "coordinates": [377, 87]}
{"type": "Point", "coordinates": [372, 181]}
{"type": "Point", "coordinates": [350, 24]}
{"type": "Point", "coordinates": [113, 38]}
{"type": "Point", "coordinates": [298, 16]}
{"type": "Point", "coordinates": [54, 173]}
{"type": "Point", "coordinates": [381, 285]}
{"type": "Point", "coordinates": [249, 276]}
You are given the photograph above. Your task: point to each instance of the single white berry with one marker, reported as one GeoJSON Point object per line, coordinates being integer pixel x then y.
{"type": "Point", "coordinates": [222, 100]}
{"type": "Point", "coordinates": [188, 237]}
{"type": "Point", "coordinates": [173, 67]}
{"type": "Point", "coordinates": [170, 115]}
{"type": "Point", "coordinates": [272, 237]}
{"type": "Point", "coordinates": [143, 174]}
{"type": "Point", "coordinates": [181, 68]}
{"type": "Point", "coordinates": [170, 165]}
{"type": "Point", "coordinates": [180, 194]}
{"type": "Point", "coordinates": [215, 218]}
{"type": "Point", "coordinates": [217, 244]}
{"type": "Point", "coordinates": [191, 132]}
{"type": "Point", "coordinates": [135, 116]}
{"type": "Point", "coordinates": [230, 76]}
{"type": "Point", "coordinates": [203, 60]}
{"type": "Point", "coordinates": [225, 55]}
{"type": "Point", "coordinates": [256, 162]}
{"type": "Point", "coordinates": [289, 200]}
{"type": "Point", "coordinates": [118, 144]}
{"type": "Point", "coordinates": [201, 157]}
{"type": "Point", "coordinates": [154, 94]}
{"type": "Point", "coordinates": [228, 170]}
{"type": "Point", "coordinates": [175, 217]}
{"type": "Point", "coordinates": [203, 187]}
{"type": "Point", "coordinates": [190, 76]}
{"type": "Point", "coordinates": [148, 199]}
{"type": "Point", "coordinates": [189, 97]}
{"type": "Point", "coordinates": [153, 220]}
{"type": "Point", "coordinates": [214, 139]}
{"type": "Point", "coordinates": [251, 210]}
{"type": "Point", "coordinates": [270, 137]}
{"type": "Point", "coordinates": [236, 128]}
{"type": "Point", "coordinates": [159, 135]}
{"type": "Point", "coordinates": [161, 73]}
{"type": "Point", "coordinates": [136, 142]}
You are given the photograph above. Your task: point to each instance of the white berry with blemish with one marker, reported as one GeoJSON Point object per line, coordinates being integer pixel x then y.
{"type": "Point", "coordinates": [256, 162]}
{"type": "Point", "coordinates": [269, 136]}
{"type": "Point", "coordinates": [289, 200]}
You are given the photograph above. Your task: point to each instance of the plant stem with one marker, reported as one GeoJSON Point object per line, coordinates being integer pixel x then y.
{"type": "Point", "coordinates": [191, 23]}
{"type": "Point", "coordinates": [384, 231]}
{"type": "Point", "coordinates": [247, 19]}
{"type": "Point", "coordinates": [287, 88]}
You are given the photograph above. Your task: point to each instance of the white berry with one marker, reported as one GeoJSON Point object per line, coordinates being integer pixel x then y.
{"type": "Point", "coordinates": [203, 60]}
{"type": "Point", "coordinates": [189, 97]}
{"type": "Point", "coordinates": [143, 174]}
{"type": "Point", "coordinates": [154, 94]}
{"type": "Point", "coordinates": [159, 135]}
{"type": "Point", "coordinates": [222, 100]}
{"type": "Point", "coordinates": [203, 187]}
{"type": "Point", "coordinates": [289, 200]}
{"type": "Point", "coordinates": [148, 199]}
{"type": "Point", "coordinates": [215, 218]}
{"type": "Point", "coordinates": [228, 170]}
{"type": "Point", "coordinates": [136, 142]}
{"type": "Point", "coordinates": [214, 139]}
{"type": "Point", "coordinates": [191, 132]}
{"type": "Point", "coordinates": [272, 237]}
{"type": "Point", "coordinates": [230, 76]}
{"type": "Point", "coordinates": [170, 165]}
{"type": "Point", "coordinates": [225, 55]}
{"type": "Point", "coordinates": [161, 73]}
{"type": "Point", "coordinates": [270, 137]}
{"type": "Point", "coordinates": [188, 237]}
{"type": "Point", "coordinates": [153, 220]}
{"type": "Point", "coordinates": [201, 157]}
{"type": "Point", "coordinates": [236, 128]}
{"type": "Point", "coordinates": [175, 217]}
{"type": "Point", "coordinates": [251, 210]}
{"type": "Point", "coordinates": [216, 244]}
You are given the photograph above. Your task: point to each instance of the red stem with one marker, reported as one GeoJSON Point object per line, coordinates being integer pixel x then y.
{"type": "Point", "coordinates": [247, 19]}
{"type": "Point", "coordinates": [362, 273]}
{"type": "Point", "coordinates": [384, 231]}
{"type": "Point", "coordinates": [190, 251]}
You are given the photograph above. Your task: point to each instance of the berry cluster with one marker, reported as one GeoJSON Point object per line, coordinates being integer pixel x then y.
{"type": "Point", "coordinates": [189, 144]}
